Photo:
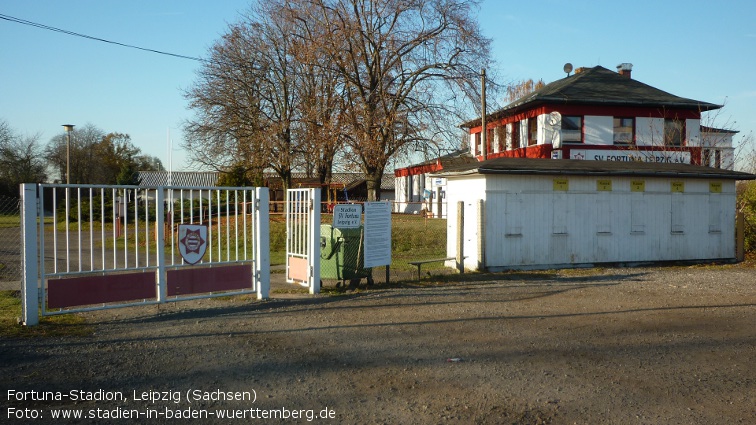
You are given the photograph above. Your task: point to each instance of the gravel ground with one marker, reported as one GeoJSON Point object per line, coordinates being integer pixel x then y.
{"type": "Point", "coordinates": [673, 345]}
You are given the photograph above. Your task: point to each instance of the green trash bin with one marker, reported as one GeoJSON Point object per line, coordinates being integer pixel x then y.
{"type": "Point", "coordinates": [342, 255]}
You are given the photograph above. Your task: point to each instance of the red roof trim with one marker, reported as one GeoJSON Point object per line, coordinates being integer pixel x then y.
{"type": "Point", "coordinates": [418, 169]}
{"type": "Point", "coordinates": [597, 110]}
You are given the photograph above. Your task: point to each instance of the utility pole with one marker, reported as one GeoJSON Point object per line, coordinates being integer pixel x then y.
{"type": "Point", "coordinates": [483, 132]}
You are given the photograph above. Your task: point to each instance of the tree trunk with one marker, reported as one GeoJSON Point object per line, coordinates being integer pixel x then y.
{"type": "Point", "coordinates": [373, 180]}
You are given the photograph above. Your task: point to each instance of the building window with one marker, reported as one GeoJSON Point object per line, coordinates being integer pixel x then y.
{"type": "Point", "coordinates": [624, 131]}
{"type": "Point", "coordinates": [476, 144]}
{"type": "Point", "coordinates": [572, 129]}
{"type": "Point", "coordinates": [717, 159]}
{"type": "Point", "coordinates": [501, 137]}
{"type": "Point", "coordinates": [515, 135]}
{"type": "Point", "coordinates": [532, 131]}
{"type": "Point", "coordinates": [674, 132]}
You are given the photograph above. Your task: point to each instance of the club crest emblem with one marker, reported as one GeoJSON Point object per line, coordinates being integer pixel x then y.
{"type": "Point", "coordinates": [192, 242]}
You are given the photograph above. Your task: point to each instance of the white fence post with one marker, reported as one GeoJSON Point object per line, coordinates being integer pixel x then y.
{"type": "Point", "coordinates": [261, 273]}
{"type": "Point", "coordinates": [162, 275]}
{"type": "Point", "coordinates": [314, 241]}
{"type": "Point", "coordinates": [30, 288]}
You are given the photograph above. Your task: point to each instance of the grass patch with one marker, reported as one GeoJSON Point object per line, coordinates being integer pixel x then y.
{"type": "Point", "coordinates": [412, 238]}
{"type": "Point", "coordinates": [292, 290]}
{"type": "Point", "coordinates": [578, 272]}
{"type": "Point", "coordinates": [51, 326]}
{"type": "Point", "coordinates": [10, 221]}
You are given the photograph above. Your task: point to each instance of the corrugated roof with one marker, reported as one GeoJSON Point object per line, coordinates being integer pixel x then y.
{"type": "Point", "coordinates": [591, 168]}
{"type": "Point", "coordinates": [598, 86]}
{"type": "Point", "coordinates": [210, 178]}
{"type": "Point", "coordinates": [178, 178]}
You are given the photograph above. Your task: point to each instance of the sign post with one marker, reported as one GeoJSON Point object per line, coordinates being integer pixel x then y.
{"type": "Point", "coordinates": [347, 216]}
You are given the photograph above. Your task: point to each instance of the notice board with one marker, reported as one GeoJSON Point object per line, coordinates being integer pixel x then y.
{"type": "Point", "coordinates": [377, 234]}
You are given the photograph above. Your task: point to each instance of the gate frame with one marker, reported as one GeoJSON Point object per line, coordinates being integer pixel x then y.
{"type": "Point", "coordinates": [309, 216]}
{"type": "Point", "coordinates": [32, 239]}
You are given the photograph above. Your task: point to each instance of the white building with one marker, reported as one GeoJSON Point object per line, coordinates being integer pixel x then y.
{"type": "Point", "coordinates": [598, 114]}
{"type": "Point", "coordinates": [595, 114]}
{"type": "Point", "coordinates": [538, 213]}
{"type": "Point", "coordinates": [415, 191]}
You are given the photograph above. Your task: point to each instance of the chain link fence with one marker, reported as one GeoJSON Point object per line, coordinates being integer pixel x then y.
{"type": "Point", "coordinates": [414, 237]}
{"type": "Point", "coordinates": [10, 239]}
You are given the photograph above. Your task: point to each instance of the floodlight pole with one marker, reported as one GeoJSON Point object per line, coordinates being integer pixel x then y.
{"type": "Point", "coordinates": [69, 129]}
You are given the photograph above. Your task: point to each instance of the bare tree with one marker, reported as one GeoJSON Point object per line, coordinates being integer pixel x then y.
{"type": "Point", "coordinates": [393, 55]}
{"type": "Point", "coordinates": [297, 80]}
{"type": "Point", "coordinates": [518, 90]}
{"type": "Point", "coordinates": [320, 128]}
{"type": "Point", "coordinates": [21, 161]}
{"type": "Point", "coordinates": [245, 98]}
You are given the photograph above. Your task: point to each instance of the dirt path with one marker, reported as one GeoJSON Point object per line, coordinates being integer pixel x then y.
{"type": "Point", "coordinates": [615, 346]}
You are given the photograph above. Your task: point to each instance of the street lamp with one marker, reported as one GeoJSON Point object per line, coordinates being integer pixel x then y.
{"type": "Point", "coordinates": [69, 129]}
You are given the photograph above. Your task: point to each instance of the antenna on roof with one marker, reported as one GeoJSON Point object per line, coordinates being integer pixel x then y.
{"type": "Point", "coordinates": [567, 68]}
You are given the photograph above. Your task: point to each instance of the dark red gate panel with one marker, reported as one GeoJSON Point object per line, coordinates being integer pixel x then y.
{"type": "Point", "coordinates": [187, 281]}
{"type": "Point", "coordinates": [87, 290]}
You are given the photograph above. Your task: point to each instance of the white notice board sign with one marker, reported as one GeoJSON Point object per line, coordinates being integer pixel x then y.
{"type": "Point", "coordinates": [347, 216]}
{"type": "Point", "coordinates": [377, 234]}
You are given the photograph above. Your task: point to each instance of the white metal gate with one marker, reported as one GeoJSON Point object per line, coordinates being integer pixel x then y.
{"type": "Point", "coordinates": [303, 238]}
{"type": "Point", "coordinates": [92, 247]}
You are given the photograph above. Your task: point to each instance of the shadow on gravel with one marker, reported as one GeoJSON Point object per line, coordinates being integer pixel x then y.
{"type": "Point", "coordinates": [453, 288]}
{"type": "Point", "coordinates": [199, 314]}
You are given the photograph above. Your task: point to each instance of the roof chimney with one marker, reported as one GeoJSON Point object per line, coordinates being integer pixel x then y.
{"type": "Point", "coordinates": [625, 69]}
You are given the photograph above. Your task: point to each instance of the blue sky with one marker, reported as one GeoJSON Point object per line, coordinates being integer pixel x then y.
{"type": "Point", "coordinates": [689, 48]}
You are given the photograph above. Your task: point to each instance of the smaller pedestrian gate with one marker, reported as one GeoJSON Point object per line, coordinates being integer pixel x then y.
{"type": "Point", "coordinates": [88, 247]}
{"type": "Point", "coordinates": [303, 238]}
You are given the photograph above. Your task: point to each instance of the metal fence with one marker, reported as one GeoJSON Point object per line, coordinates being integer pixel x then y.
{"type": "Point", "coordinates": [10, 241]}
{"type": "Point", "coordinates": [414, 237]}
{"type": "Point", "coordinates": [91, 247]}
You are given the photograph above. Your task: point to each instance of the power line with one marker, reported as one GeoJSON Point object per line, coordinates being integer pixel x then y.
{"type": "Point", "coordinates": [76, 34]}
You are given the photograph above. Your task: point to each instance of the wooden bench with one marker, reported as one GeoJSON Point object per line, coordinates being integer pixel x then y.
{"type": "Point", "coordinates": [419, 263]}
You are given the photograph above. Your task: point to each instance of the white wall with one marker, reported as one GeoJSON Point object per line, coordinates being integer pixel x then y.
{"type": "Point", "coordinates": [693, 132]}
{"type": "Point", "coordinates": [469, 190]}
{"type": "Point", "coordinates": [599, 130]}
{"type": "Point", "coordinates": [649, 131]}
{"type": "Point", "coordinates": [541, 129]}
{"type": "Point", "coordinates": [530, 225]}
{"type": "Point", "coordinates": [405, 194]}
{"type": "Point", "coordinates": [523, 134]}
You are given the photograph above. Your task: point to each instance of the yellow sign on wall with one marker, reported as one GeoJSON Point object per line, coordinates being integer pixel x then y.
{"type": "Point", "coordinates": [638, 186]}
{"type": "Point", "coordinates": [715, 187]}
{"type": "Point", "coordinates": [561, 185]}
{"type": "Point", "coordinates": [678, 187]}
{"type": "Point", "coordinates": [604, 185]}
